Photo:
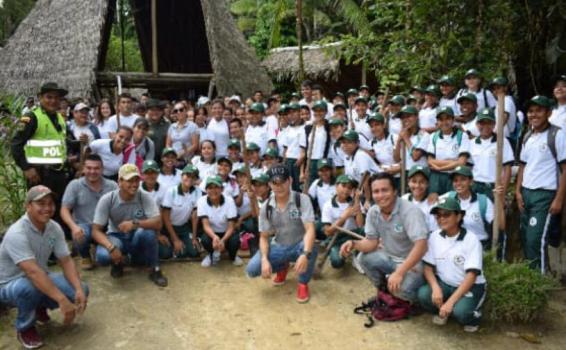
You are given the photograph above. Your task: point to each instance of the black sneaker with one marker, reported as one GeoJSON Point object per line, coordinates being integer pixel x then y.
{"type": "Point", "coordinates": [117, 271]}
{"type": "Point", "coordinates": [157, 277]}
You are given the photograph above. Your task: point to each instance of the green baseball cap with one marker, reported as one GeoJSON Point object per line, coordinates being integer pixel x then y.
{"type": "Point", "coordinates": [191, 170]}
{"type": "Point", "coordinates": [350, 135]}
{"type": "Point", "coordinates": [168, 150]}
{"type": "Point", "coordinates": [336, 121]}
{"type": "Point", "coordinates": [447, 80]}
{"type": "Point", "coordinates": [397, 100]}
{"type": "Point", "coordinates": [295, 94]}
{"type": "Point", "coordinates": [252, 146]}
{"type": "Point", "coordinates": [472, 72]}
{"type": "Point", "coordinates": [324, 163]}
{"type": "Point", "coordinates": [416, 88]}
{"type": "Point", "coordinates": [262, 178]}
{"type": "Point", "coordinates": [214, 180]}
{"type": "Point", "coordinates": [485, 114]}
{"type": "Point", "coordinates": [321, 104]}
{"type": "Point", "coordinates": [462, 170]}
{"type": "Point", "coordinates": [408, 110]}
{"type": "Point", "coordinates": [360, 99]}
{"type": "Point", "coordinates": [294, 106]}
{"type": "Point", "coordinates": [364, 87]}
{"type": "Point", "coordinates": [447, 203]}
{"type": "Point", "coordinates": [346, 179]}
{"type": "Point", "coordinates": [283, 108]}
{"type": "Point", "coordinates": [234, 142]}
{"type": "Point", "coordinates": [339, 94]}
{"type": "Point", "coordinates": [411, 98]}
{"type": "Point", "coordinates": [499, 81]}
{"type": "Point", "coordinates": [257, 107]}
{"type": "Point", "coordinates": [241, 169]}
{"type": "Point", "coordinates": [339, 105]}
{"type": "Point", "coordinates": [445, 110]}
{"type": "Point", "coordinates": [377, 117]}
{"type": "Point", "coordinates": [352, 92]}
{"type": "Point", "coordinates": [271, 152]}
{"type": "Point", "coordinates": [150, 165]}
{"type": "Point", "coordinates": [155, 103]}
{"type": "Point", "coordinates": [433, 90]}
{"type": "Point", "coordinates": [540, 100]}
{"type": "Point", "coordinates": [467, 97]}
{"type": "Point", "coordinates": [419, 169]}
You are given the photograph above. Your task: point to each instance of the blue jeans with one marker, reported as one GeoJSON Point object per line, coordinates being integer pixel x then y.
{"type": "Point", "coordinates": [84, 247]}
{"type": "Point", "coordinates": [22, 294]}
{"type": "Point", "coordinates": [378, 265]}
{"type": "Point", "coordinates": [279, 257]}
{"type": "Point", "coordinates": [141, 247]}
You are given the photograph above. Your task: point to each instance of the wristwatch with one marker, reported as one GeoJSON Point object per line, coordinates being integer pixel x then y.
{"type": "Point", "coordinates": [136, 223]}
{"type": "Point", "coordinates": [307, 254]}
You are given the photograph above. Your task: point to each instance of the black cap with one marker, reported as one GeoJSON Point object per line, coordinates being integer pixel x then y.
{"type": "Point", "coordinates": [278, 172]}
{"type": "Point", "coordinates": [52, 87]}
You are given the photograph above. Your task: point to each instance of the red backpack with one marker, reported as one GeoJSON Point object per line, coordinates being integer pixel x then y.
{"type": "Point", "coordinates": [127, 151]}
{"type": "Point", "coordinates": [384, 307]}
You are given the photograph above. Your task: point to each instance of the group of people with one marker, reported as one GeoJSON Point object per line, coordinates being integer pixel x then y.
{"type": "Point", "coordinates": [158, 180]}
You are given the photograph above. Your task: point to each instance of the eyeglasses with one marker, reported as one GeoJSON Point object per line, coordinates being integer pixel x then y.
{"type": "Point", "coordinates": [178, 110]}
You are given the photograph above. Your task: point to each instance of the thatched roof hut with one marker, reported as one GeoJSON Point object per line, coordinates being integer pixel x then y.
{"type": "Point", "coordinates": [321, 65]}
{"type": "Point", "coordinates": [67, 42]}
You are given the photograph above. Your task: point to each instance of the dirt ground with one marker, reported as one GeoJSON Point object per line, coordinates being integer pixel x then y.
{"type": "Point", "coordinates": [220, 308]}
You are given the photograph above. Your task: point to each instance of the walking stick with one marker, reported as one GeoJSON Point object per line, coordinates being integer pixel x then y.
{"type": "Point", "coordinates": [499, 167]}
{"type": "Point", "coordinates": [403, 167]}
{"type": "Point", "coordinates": [307, 167]}
{"type": "Point", "coordinates": [322, 260]}
{"type": "Point", "coordinates": [349, 233]}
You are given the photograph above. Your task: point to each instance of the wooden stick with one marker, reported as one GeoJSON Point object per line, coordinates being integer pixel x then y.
{"type": "Point", "coordinates": [403, 167]}
{"type": "Point", "coordinates": [499, 168]}
{"type": "Point", "coordinates": [349, 233]}
{"type": "Point", "coordinates": [307, 168]}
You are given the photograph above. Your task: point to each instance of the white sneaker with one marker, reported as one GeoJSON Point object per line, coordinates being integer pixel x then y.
{"type": "Point", "coordinates": [439, 321]}
{"type": "Point", "coordinates": [207, 261]}
{"type": "Point", "coordinates": [471, 329]}
{"type": "Point", "coordinates": [215, 257]}
{"type": "Point", "coordinates": [356, 264]}
{"type": "Point", "coordinates": [237, 261]}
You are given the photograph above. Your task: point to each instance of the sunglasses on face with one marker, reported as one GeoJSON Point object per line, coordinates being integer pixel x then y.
{"type": "Point", "coordinates": [179, 110]}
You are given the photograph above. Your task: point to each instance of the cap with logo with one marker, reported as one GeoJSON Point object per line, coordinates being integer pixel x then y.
{"type": "Point", "coordinates": [213, 181]}
{"type": "Point", "coordinates": [377, 117]}
{"type": "Point", "coordinates": [446, 110]}
{"type": "Point", "coordinates": [261, 178]}
{"type": "Point", "coordinates": [234, 143]}
{"type": "Point", "coordinates": [80, 106]}
{"type": "Point", "coordinates": [472, 73]}
{"type": "Point", "coordinates": [338, 106]}
{"type": "Point", "coordinates": [321, 104]}
{"type": "Point", "coordinates": [257, 107]}
{"type": "Point", "coordinates": [408, 110]}
{"type": "Point", "coordinates": [128, 172]}
{"type": "Point", "coordinates": [283, 108]}
{"type": "Point", "coordinates": [468, 97]}
{"type": "Point", "coordinates": [294, 106]}
{"type": "Point", "coordinates": [271, 152]}
{"type": "Point", "coordinates": [224, 160]}
{"type": "Point", "coordinates": [447, 80]}
{"type": "Point", "coordinates": [350, 135]}
{"type": "Point", "coordinates": [150, 165]}
{"type": "Point", "coordinates": [364, 87]}
{"type": "Point", "coordinates": [447, 203]}
{"type": "Point", "coordinates": [498, 81]}
{"type": "Point", "coordinates": [336, 121]}
{"type": "Point", "coordinates": [252, 146]}
{"type": "Point", "coordinates": [419, 169]}
{"type": "Point", "coordinates": [37, 192]}
{"type": "Point", "coordinates": [486, 114]}
{"type": "Point", "coordinates": [346, 179]}
{"type": "Point", "coordinates": [433, 90]}
{"type": "Point", "coordinates": [462, 170]}
{"type": "Point", "coordinates": [191, 170]}
{"type": "Point", "coordinates": [540, 100]}
{"type": "Point", "coordinates": [352, 92]}
{"type": "Point", "coordinates": [397, 100]}
{"type": "Point", "coordinates": [278, 172]}
{"type": "Point", "coordinates": [361, 99]}
{"type": "Point", "coordinates": [324, 163]}
{"type": "Point", "coordinates": [52, 87]}
{"type": "Point", "coordinates": [168, 150]}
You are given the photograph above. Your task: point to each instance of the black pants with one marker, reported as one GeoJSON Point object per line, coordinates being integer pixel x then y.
{"type": "Point", "coordinates": [232, 245]}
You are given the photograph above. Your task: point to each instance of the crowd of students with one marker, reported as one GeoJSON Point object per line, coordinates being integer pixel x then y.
{"type": "Point", "coordinates": [160, 180]}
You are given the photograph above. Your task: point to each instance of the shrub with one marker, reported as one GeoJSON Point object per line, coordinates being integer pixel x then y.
{"type": "Point", "coordinates": [12, 182]}
{"type": "Point", "coordinates": [515, 292]}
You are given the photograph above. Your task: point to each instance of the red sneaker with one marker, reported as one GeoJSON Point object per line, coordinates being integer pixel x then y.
{"type": "Point", "coordinates": [30, 339]}
{"type": "Point", "coordinates": [41, 315]}
{"type": "Point", "coordinates": [303, 293]}
{"type": "Point", "coordinates": [281, 276]}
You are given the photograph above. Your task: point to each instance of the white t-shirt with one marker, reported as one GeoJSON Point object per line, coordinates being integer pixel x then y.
{"type": "Point", "coordinates": [219, 132]}
{"type": "Point", "coordinates": [558, 116]}
{"type": "Point", "coordinates": [425, 207]}
{"type": "Point", "coordinates": [383, 150]}
{"type": "Point", "coordinates": [168, 181]}
{"type": "Point", "coordinates": [360, 163]}
{"type": "Point", "coordinates": [230, 188]}
{"type": "Point", "coordinates": [111, 161]}
{"type": "Point", "coordinates": [105, 129]}
{"type": "Point", "coordinates": [182, 136]}
{"type": "Point", "coordinates": [124, 121]}
{"type": "Point", "coordinates": [321, 192]}
{"type": "Point", "coordinates": [394, 125]}
{"type": "Point", "coordinates": [181, 203]}
{"type": "Point", "coordinates": [258, 135]}
{"type": "Point", "coordinates": [157, 194]}
{"type": "Point", "coordinates": [510, 109]}
{"type": "Point", "coordinates": [281, 139]}
{"type": "Point", "coordinates": [362, 127]}
{"type": "Point", "coordinates": [292, 141]}
{"type": "Point", "coordinates": [427, 117]}
{"type": "Point", "coordinates": [482, 157]}
{"type": "Point", "coordinates": [453, 257]}
{"type": "Point", "coordinates": [79, 130]}
{"type": "Point", "coordinates": [419, 141]}
{"type": "Point", "coordinates": [272, 124]}
{"type": "Point", "coordinates": [331, 212]}
{"type": "Point", "coordinates": [447, 147]}
{"type": "Point", "coordinates": [336, 153]}
{"type": "Point", "coordinates": [473, 220]}
{"type": "Point", "coordinates": [218, 217]}
{"type": "Point", "coordinates": [471, 128]}
{"type": "Point", "coordinates": [450, 102]}
{"type": "Point", "coordinates": [319, 142]}
{"type": "Point", "coordinates": [541, 169]}
{"type": "Point", "coordinates": [246, 207]}
{"type": "Point", "coordinates": [204, 169]}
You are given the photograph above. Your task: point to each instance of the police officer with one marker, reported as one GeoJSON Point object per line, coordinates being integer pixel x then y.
{"type": "Point", "coordinates": [39, 147]}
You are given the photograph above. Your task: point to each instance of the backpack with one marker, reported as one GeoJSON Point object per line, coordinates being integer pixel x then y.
{"type": "Point", "coordinates": [482, 199]}
{"type": "Point", "coordinates": [436, 135]}
{"type": "Point", "coordinates": [132, 147]}
{"type": "Point", "coordinates": [551, 141]}
{"type": "Point", "coordinates": [297, 197]}
{"type": "Point", "coordinates": [384, 307]}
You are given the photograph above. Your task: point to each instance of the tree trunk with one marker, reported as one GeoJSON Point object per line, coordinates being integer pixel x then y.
{"type": "Point", "coordinates": [299, 11]}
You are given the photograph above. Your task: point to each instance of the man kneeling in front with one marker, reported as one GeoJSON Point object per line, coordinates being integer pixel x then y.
{"type": "Point", "coordinates": [25, 282]}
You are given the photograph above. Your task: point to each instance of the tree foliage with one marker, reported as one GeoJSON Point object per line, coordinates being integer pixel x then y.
{"type": "Point", "coordinates": [126, 57]}
{"type": "Point", "coordinates": [12, 12]}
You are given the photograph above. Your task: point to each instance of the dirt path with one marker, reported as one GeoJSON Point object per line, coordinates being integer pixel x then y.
{"type": "Point", "coordinates": [220, 308]}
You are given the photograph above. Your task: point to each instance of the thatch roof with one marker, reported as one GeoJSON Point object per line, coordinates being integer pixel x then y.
{"type": "Point", "coordinates": [282, 64]}
{"type": "Point", "coordinates": [62, 40]}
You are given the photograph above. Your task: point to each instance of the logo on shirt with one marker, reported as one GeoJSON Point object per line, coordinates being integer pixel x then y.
{"type": "Point", "coordinates": [533, 221]}
{"type": "Point", "coordinates": [294, 214]}
{"type": "Point", "coordinates": [459, 260]}
{"type": "Point", "coordinates": [493, 152]}
{"type": "Point", "coordinates": [455, 147]}
{"type": "Point", "coordinates": [476, 216]}
{"type": "Point", "coordinates": [543, 147]}
{"type": "Point", "coordinates": [51, 242]}
{"type": "Point", "coordinates": [398, 228]}
{"type": "Point", "coordinates": [138, 214]}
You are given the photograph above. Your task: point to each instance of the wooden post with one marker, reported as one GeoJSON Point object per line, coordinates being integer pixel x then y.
{"type": "Point", "coordinates": [154, 62]}
{"type": "Point", "coordinates": [307, 168]}
{"type": "Point", "coordinates": [403, 167]}
{"type": "Point", "coordinates": [499, 168]}
{"type": "Point", "coordinates": [299, 12]}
